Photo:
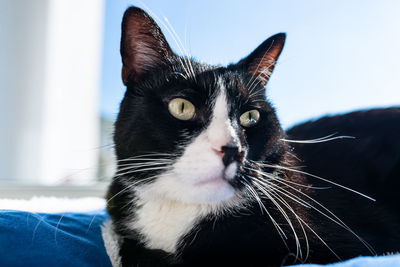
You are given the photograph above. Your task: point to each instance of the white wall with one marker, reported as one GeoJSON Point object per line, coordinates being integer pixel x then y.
{"type": "Point", "coordinates": [50, 54]}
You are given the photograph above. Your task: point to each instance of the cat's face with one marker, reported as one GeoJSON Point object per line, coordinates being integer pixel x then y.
{"type": "Point", "coordinates": [188, 131]}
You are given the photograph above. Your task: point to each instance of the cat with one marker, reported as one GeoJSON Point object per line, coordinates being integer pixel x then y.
{"type": "Point", "coordinates": [207, 176]}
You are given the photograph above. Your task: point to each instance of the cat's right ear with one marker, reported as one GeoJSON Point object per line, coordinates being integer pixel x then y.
{"type": "Point", "coordinates": [261, 62]}
{"type": "Point", "coordinates": [143, 45]}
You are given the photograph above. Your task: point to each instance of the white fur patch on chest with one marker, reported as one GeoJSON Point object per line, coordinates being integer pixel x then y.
{"type": "Point", "coordinates": [164, 222]}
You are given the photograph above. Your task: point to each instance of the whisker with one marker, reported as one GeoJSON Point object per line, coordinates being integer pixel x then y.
{"type": "Point", "coordinates": [300, 223]}
{"type": "Point", "coordinates": [327, 138]}
{"type": "Point", "coordinates": [317, 177]}
{"type": "Point", "coordinates": [187, 56]}
{"type": "Point", "coordinates": [255, 195]}
{"type": "Point", "coordinates": [259, 63]}
{"type": "Point", "coordinates": [277, 188]}
{"type": "Point", "coordinates": [58, 224]}
{"type": "Point", "coordinates": [185, 68]}
{"type": "Point", "coordinates": [130, 186]}
{"type": "Point", "coordinates": [266, 72]}
{"type": "Point", "coordinates": [138, 166]}
{"type": "Point", "coordinates": [149, 155]}
{"type": "Point", "coordinates": [127, 161]}
{"type": "Point", "coordinates": [320, 238]}
{"type": "Point", "coordinates": [122, 191]}
{"type": "Point", "coordinates": [37, 226]}
{"type": "Point", "coordinates": [324, 242]}
{"type": "Point", "coordinates": [142, 170]}
{"type": "Point", "coordinates": [284, 214]}
{"type": "Point", "coordinates": [335, 219]}
{"type": "Point", "coordinates": [291, 182]}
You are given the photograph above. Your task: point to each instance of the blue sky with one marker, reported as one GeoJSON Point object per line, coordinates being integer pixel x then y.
{"type": "Point", "coordinates": [339, 55]}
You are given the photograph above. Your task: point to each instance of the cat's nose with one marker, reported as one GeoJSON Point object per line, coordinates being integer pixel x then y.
{"type": "Point", "coordinates": [230, 154]}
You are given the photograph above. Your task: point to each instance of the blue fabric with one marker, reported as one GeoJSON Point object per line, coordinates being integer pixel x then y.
{"type": "Point", "coordinates": [74, 239]}
{"type": "Point", "coordinates": [381, 261]}
{"type": "Point", "coordinates": [66, 239]}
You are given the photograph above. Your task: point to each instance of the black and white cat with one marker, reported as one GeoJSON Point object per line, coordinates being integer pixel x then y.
{"type": "Point", "coordinates": [207, 177]}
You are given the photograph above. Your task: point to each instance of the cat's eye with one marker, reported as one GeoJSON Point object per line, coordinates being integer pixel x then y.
{"type": "Point", "coordinates": [181, 109]}
{"type": "Point", "coordinates": [249, 118]}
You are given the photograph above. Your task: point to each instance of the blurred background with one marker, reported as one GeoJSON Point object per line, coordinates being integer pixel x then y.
{"type": "Point", "coordinates": [60, 84]}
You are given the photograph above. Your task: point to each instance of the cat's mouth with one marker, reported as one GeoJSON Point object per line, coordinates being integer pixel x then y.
{"type": "Point", "coordinates": [212, 181]}
{"type": "Point", "coordinates": [226, 175]}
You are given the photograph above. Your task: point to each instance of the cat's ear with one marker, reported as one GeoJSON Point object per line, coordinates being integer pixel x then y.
{"type": "Point", "coordinates": [143, 45]}
{"type": "Point", "coordinates": [261, 62]}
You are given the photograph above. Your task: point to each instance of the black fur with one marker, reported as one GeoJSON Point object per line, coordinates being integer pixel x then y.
{"type": "Point", "coordinates": [246, 236]}
{"type": "Point", "coordinates": [369, 163]}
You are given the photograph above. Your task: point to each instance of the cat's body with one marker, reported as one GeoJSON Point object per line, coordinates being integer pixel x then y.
{"type": "Point", "coordinates": [207, 177]}
{"type": "Point", "coordinates": [368, 163]}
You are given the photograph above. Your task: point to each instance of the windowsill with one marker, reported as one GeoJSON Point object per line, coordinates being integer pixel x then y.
{"type": "Point", "coordinates": [27, 191]}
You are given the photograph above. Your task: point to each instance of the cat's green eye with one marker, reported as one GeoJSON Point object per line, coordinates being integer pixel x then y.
{"type": "Point", "coordinates": [181, 109]}
{"type": "Point", "coordinates": [249, 118]}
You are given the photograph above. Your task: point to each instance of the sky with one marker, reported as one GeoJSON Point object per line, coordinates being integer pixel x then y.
{"type": "Point", "coordinates": [339, 55]}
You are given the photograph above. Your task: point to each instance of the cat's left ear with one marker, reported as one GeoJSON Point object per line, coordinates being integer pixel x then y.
{"type": "Point", "coordinates": [261, 62]}
{"type": "Point", "coordinates": [143, 45]}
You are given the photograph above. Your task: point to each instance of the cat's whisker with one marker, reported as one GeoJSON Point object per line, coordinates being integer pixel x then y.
{"type": "Point", "coordinates": [298, 199]}
{"type": "Point", "coordinates": [254, 193]}
{"type": "Point", "coordinates": [317, 177]}
{"type": "Point", "coordinates": [301, 185]}
{"type": "Point", "coordinates": [273, 176]}
{"type": "Point", "coordinates": [144, 159]}
{"type": "Point", "coordinates": [129, 203]}
{"type": "Point", "coordinates": [260, 61]}
{"type": "Point", "coordinates": [301, 226]}
{"type": "Point", "coordinates": [124, 167]}
{"type": "Point", "coordinates": [128, 169]}
{"type": "Point", "coordinates": [257, 94]}
{"type": "Point", "coordinates": [272, 186]}
{"type": "Point", "coordinates": [259, 79]}
{"type": "Point", "coordinates": [130, 166]}
{"type": "Point", "coordinates": [142, 163]}
{"type": "Point", "coordinates": [157, 18]}
{"type": "Point", "coordinates": [187, 56]}
{"type": "Point", "coordinates": [122, 191]}
{"type": "Point", "coordinates": [154, 154]}
{"type": "Point", "coordinates": [37, 226]}
{"type": "Point", "coordinates": [130, 186]}
{"type": "Point", "coordinates": [142, 170]}
{"type": "Point", "coordinates": [125, 173]}
{"type": "Point", "coordinates": [57, 226]}
{"type": "Point", "coordinates": [335, 219]}
{"type": "Point", "coordinates": [185, 63]}
{"type": "Point", "coordinates": [284, 214]}
{"type": "Point", "coordinates": [318, 140]}
{"type": "Point", "coordinates": [313, 231]}
{"type": "Point", "coordinates": [257, 198]}
{"type": "Point", "coordinates": [279, 198]}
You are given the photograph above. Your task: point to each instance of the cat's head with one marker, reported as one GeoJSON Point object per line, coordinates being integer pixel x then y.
{"type": "Point", "coordinates": [189, 131]}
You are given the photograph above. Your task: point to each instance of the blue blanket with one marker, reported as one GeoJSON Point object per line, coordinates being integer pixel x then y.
{"type": "Point", "coordinates": [381, 261]}
{"type": "Point", "coordinates": [35, 239]}
{"type": "Point", "coordinates": [74, 239]}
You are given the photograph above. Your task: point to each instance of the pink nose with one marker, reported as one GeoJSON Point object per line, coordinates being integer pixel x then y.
{"type": "Point", "coordinates": [228, 154]}
{"type": "Point", "coordinates": [220, 153]}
